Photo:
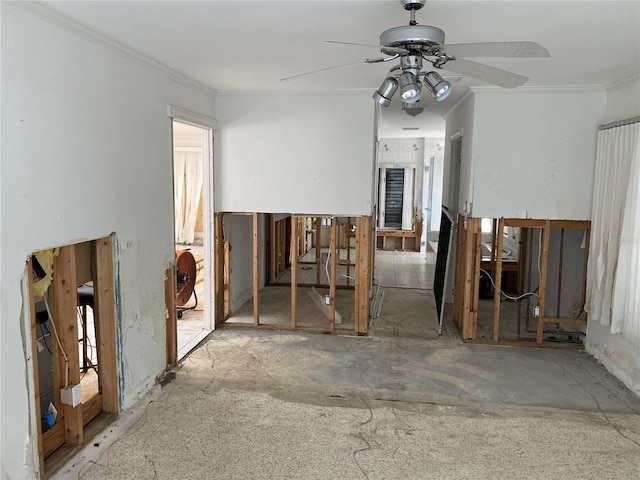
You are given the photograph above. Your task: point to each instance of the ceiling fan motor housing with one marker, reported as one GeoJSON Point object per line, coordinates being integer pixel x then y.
{"type": "Point", "coordinates": [413, 4]}
{"type": "Point", "coordinates": [410, 35]}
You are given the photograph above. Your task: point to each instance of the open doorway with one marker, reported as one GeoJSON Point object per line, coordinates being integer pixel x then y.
{"type": "Point", "coordinates": [192, 188]}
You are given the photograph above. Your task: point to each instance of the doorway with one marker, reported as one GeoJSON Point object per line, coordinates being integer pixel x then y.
{"type": "Point", "coordinates": [192, 215]}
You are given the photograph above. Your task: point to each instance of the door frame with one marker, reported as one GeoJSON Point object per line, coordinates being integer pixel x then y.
{"type": "Point", "coordinates": [208, 124]}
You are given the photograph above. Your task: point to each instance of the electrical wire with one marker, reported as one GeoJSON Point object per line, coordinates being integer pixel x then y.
{"type": "Point", "coordinates": [55, 332]}
{"type": "Point", "coordinates": [515, 299]}
{"type": "Point", "coordinates": [326, 266]}
{"type": "Point", "coordinates": [44, 339]}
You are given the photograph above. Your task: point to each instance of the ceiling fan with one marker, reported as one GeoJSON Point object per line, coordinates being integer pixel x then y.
{"type": "Point", "coordinates": [412, 44]}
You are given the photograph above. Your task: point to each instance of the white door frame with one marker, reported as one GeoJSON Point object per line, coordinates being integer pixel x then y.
{"type": "Point", "coordinates": [208, 208]}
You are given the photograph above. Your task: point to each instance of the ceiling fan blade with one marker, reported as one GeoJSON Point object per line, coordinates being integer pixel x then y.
{"type": "Point", "coordinates": [485, 73]}
{"type": "Point", "coordinates": [350, 43]}
{"type": "Point", "coordinates": [496, 49]}
{"type": "Point", "coordinates": [292, 77]}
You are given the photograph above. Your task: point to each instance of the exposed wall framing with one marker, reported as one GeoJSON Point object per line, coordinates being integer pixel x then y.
{"type": "Point", "coordinates": [415, 235]}
{"type": "Point", "coordinates": [469, 263]}
{"type": "Point", "coordinates": [70, 429]}
{"type": "Point", "coordinates": [287, 241]}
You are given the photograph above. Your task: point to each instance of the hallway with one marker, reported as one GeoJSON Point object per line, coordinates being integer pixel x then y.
{"type": "Point", "coordinates": [264, 404]}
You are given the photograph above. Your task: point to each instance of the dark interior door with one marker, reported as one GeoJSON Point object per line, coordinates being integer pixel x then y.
{"type": "Point", "coordinates": [394, 192]}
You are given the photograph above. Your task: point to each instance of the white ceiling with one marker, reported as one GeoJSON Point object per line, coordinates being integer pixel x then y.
{"type": "Point", "coordinates": [251, 45]}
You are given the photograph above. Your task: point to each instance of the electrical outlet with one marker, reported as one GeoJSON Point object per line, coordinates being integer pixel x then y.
{"type": "Point", "coordinates": [71, 395]}
{"type": "Point", "coordinates": [536, 311]}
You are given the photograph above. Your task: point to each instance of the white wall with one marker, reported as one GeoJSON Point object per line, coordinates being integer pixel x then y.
{"type": "Point", "coordinates": [619, 355]}
{"type": "Point", "coordinates": [303, 153]}
{"type": "Point", "coordinates": [623, 100]}
{"type": "Point", "coordinates": [85, 151]}
{"type": "Point", "coordinates": [528, 147]}
{"type": "Point", "coordinates": [460, 120]}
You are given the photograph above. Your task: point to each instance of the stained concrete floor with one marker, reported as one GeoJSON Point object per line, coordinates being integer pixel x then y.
{"type": "Point", "coordinates": [268, 404]}
{"type": "Point", "coordinates": [401, 403]}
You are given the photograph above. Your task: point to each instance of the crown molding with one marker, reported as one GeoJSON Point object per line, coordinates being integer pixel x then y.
{"type": "Point", "coordinates": [623, 82]}
{"type": "Point", "coordinates": [457, 104]}
{"type": "Point", "coordinates": [88, 33]}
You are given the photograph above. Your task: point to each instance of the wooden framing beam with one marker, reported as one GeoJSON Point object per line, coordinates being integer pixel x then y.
{"type": "Point", "coordinates": [468, 281]}
{"type": "Point", "coordinates": [494, 230]}
{"type": "Point", "coordinates": [332, 279]}
{"type": "Point", "coordinates": [34, 356]}
{"type": "Point", "coordinates": [226, 282]}
{"type": "Point", "coordinates": [272, 248]}
{"type": "Point", "coordinates": [172, 321]}
{"type": "Point", "coordinates": [218, 268]}
{"type": "Point", "coordinates": [348, 241]}
{"type": "Point", "coordinates": [544, 259]}
{"type": "Point", "coordinates": [65, 301]}
{"type": "Point", "coordinates": [294, 268]}
{"type": "Point", "coordinates": [105, 319]}
{"type": "Point", "coordinates": [458, 290]}
{"type": "Point", "coordinates": [570, 224]}
{"type": "Point", "coordinates": [256, 271]}
{"type": "Point", "coordinates": [587, 245]}
{"type": "Point", "coordinates": [477, 255]}
{"type": "Point", "coordinates": [570, 321]}
{"type": "Point", "coordinates": [318, 246]}
{"type": "Point", "coordinates": [497, 279]}
{"type": "Point", "coordinates": [524, 222]}
{"type": "Point", "coordinates": [364, 236]}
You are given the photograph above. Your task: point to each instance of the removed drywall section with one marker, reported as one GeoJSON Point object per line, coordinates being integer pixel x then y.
{"type": "Point", "coordinates": [295, 153]}
{"type": "Point", "coordinates": [529, 146]}
{"type": "Point", "coordinates": [86, 151]}
{"type": "Point", "coordinates": [238, 230]}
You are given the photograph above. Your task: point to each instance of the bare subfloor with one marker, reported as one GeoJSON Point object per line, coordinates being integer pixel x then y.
{"type": "Point", "coordinates": [267, 404]}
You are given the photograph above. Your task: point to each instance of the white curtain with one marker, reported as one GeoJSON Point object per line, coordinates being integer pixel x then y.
{"type": "Point", "coordinates": [179, 160]}
{"type": "Point", "coordinates": [625, 311]}
{"type": "Point", "coordinates": [613, 255]}
{"type": "Point", "coordinates": [188, 171]}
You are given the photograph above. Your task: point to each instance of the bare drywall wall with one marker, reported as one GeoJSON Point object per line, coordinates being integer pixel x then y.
{"type": "Point", "coordinates": [460, 127]}
{"type": "Point", "coordinates": [308, 153]}
{"type": "Point", "coordinates": [86, 151]}
{"type": "Point", "coordinates": [528, 146]}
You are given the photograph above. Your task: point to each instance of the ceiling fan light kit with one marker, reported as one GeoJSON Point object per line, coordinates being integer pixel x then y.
{"type": "Point", "coordinates": [385, 92]}
{"type": "Point", "coordinates": [437, 86]}
{"type": "Point", "coordinates": [409, 87]}
{"type": "Point", "coordinates": [414, 43]}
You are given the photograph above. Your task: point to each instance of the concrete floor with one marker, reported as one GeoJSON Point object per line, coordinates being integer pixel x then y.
{"type": "Point", "coordinates": [400, 403]}
{"type": "Point", "coordinates": [267, 404]}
